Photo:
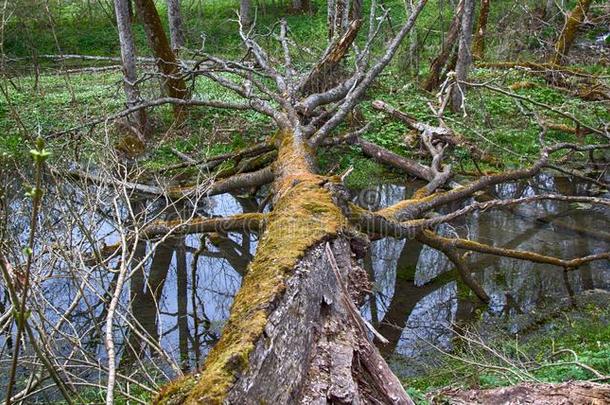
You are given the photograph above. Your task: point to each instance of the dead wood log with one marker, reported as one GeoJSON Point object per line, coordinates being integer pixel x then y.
{"type": "Point", "coordinates": [572, 392]}
{"type": "Point", "coordinates": [301, 266]}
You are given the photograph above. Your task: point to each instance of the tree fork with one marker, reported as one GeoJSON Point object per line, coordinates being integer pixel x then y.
{"type": "Point", "coordinates": [259, 358]}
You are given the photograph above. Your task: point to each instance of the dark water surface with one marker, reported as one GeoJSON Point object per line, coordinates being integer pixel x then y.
{"type": "Point", "coordinates": [184, 295]}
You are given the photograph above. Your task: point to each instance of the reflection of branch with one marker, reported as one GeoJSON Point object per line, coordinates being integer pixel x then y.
{"type": "Point", "coordinates": [521, 254]}
{"type": "Point", "coordinates": [482, 206]}
{"type": "Point", "coordinates": [439, 243]}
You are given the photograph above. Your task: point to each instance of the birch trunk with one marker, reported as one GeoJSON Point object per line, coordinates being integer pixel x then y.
{"type": "Point", "coordinates": [128, 59]}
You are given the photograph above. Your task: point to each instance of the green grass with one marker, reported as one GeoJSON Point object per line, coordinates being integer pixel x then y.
{"type": "Point", "coordinates": [585, 331]}
{"type": "Point", "coordinates": [61, 102]}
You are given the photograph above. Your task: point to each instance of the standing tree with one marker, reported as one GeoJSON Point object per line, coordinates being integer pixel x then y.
{"type": "Point", "coordinates": [128, 58]}
{"type": "Point", "coordinates": [244, 12]}
{"type": "Point", "coordinates": [176, 33]}
{"type": "Point", "coordinates": [166, 59]}
{"type": "Point", "coordinates": [464, 56]}
{"type": "Point", "coordinates": [569, 31]}
{"type": "Point", "coordinates": [338, 17]}
{"type": "Point", "coordinates": [437, 65]}
{"type": "Point", "coordinates": [478, 43]}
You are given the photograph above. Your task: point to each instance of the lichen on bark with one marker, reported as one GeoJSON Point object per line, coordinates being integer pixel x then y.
{"type": "Point", "coordinates": [304, 215]}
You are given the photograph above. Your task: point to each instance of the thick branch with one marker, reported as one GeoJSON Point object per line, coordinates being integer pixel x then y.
{"type": "Point", "coordinates": [570, 264]}
{"type": "Point", "coordinates": [248, 222]}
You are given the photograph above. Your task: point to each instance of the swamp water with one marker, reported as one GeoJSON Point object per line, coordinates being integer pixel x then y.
{"type": "Point", "coordinates": [182, 298]}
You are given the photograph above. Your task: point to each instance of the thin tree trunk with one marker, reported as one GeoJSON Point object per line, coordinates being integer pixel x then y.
{"type": "Point", "coordinates": [436, 67]}
{"type": "Point", "coordinates": [244, 12]}
{"type": "Point", "coordinates": [176, 32]}
{"type": "Point", "coordinates": [478, 44]}
{"type": "Point", "coordinates": [166, 59]}
{"type": "Point", "coordinates": [464, 59]}
{"type": "Point", "coordinates": [128, 58]}
{"type": "Point", "coordinates": [569, 31]}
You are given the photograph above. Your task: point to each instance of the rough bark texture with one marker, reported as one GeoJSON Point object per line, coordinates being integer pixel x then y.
{"type": "Point", "coordinates": [128, 58]}
{"type": "Point", "coordinates": [338, 17]}
{"type": "Point", "coordinates": [569, 393]}
{"type": "Point", "coordinates": [478, 43]}
{"type": "Point", "coordinates": [176, 32]}
{"type": "Point", "coordinates": [304, 266]}
{"type": "Point", "coordinates": [569, 31]}
{"type": "Point", "coordinates": [166, 59]}
{"type": "Point", "coordinates": [322, 76]}
{"type": "Point", "coordinates": [244, 12]}
{"type": "Point", "coordinates": [436, 67]}
{"type": "Point", "coordinates": [464, 59]}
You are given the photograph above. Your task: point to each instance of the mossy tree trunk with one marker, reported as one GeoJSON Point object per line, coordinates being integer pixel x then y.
{"type": "Point", "coordinates": [305, 278]}
{"type": "Point", "coordinates": [437, 64]}
{"type": "Point", "coordinates": [295, 334]}
{"type": "Point", "coordinates": [569, 31]}
{"type": "Point", "coordinates": [478, 42]}
{"type": "Point", "coordinates": [174, 83]}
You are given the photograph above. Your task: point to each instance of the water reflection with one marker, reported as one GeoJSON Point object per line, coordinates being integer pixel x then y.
{"type": "Point", "coordinates": [178, 301]}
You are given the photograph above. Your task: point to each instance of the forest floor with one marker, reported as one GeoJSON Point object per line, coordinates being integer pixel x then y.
{"type": "Point", "coordinates": [501, 125]}
{"type": "Point", "coordinates": [562, 343]}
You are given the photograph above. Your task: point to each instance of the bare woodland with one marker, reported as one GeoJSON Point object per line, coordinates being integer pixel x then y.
{"type": "Point", "coordinates": [295, 332]}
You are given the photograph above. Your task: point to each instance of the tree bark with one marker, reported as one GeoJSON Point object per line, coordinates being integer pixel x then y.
{"type": "Point", "coordinates": [436, 67]}
{"type": "Point", "coordinates": [574, 392]}
{"type": "Point", "coordinates": [478, 44]}
{"type": "Point", "coordinates": [303, 278]}
{"type": "Point", "coordinates": [166, 59]}
{"type": "Point", "coordinates": [569, 31]}
{"type": "Point", "coordinates": [244, 12]}
{"type": "Point", "coordinates": [338, 17]}
{"type": "Point", "coordinates": [176, 32]}
{"type": "Point", "coordinates": [464, 59]}
{"type": "Point", "coordinates": [128, 58]}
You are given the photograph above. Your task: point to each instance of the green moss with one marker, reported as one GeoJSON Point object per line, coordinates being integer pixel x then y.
{"type": "Point", "coordinates": [303, 216]}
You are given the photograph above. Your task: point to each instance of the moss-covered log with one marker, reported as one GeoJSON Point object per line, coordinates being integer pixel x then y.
{"type": "Point", "coordinates": [294, 334]}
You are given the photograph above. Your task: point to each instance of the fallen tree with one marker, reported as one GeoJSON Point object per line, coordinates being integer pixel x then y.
{"type": "Point", "coordinates": [295, 334]}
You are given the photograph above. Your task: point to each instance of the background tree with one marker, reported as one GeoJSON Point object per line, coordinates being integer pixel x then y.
{"type": "Point", "coordinates": [573, 20]}
{"type": "Point", "coordinates": [478, 43]}
{"type": "Point", "coordinates": [245, 13]}
{"type": "Point", "coordinates": [176, 32]}
{"type": "Point", "coordinates": [128, 58]}
{"type": "Point", "coordinates": [464, 55]}
{"type": "Point", "coordinates": [174, 84]}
